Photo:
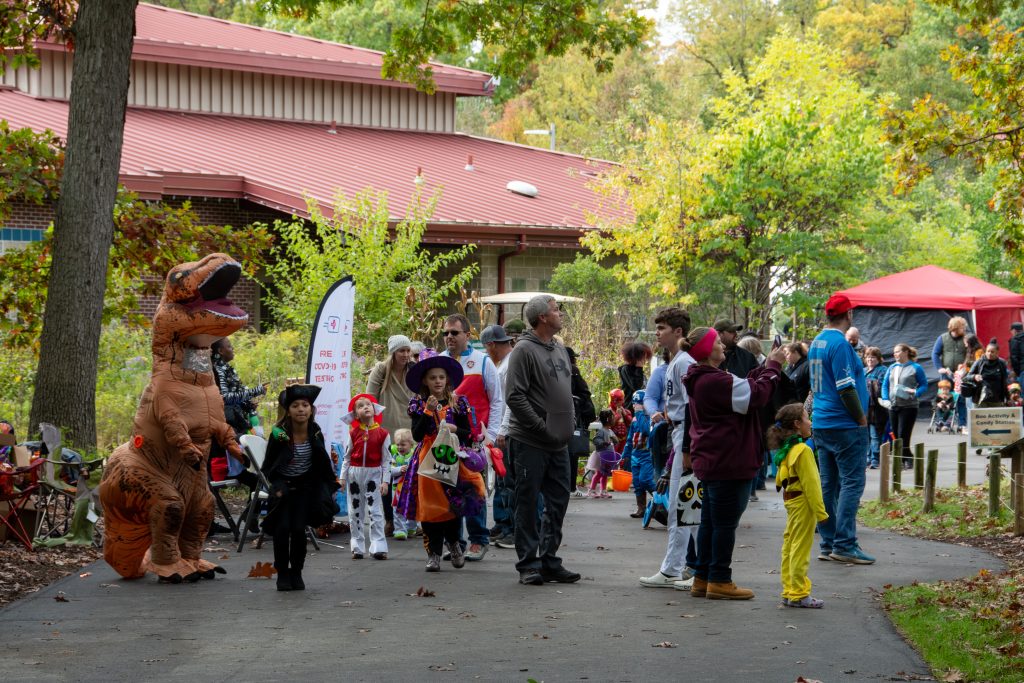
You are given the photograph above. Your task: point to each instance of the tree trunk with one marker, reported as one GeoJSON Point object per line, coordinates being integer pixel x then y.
{"type": "Point", "coordinates": [65, 392]}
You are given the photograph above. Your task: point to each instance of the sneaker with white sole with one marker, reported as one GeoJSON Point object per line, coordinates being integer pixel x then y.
{"type": "Point", "coordinates": [853, 556]}
{"type": "Point", "coordinates": [688, 573]}
{"type": "Point", "coordinates": [683, 584]}
{"type": "Point", "coordinates": [658, 580]}
{"type": "Point", "coordinates": [825, 555]}
{"type": "Point", "coordinates": [476, 552]}
{"type": "Point", "coordinates": [507, 542]}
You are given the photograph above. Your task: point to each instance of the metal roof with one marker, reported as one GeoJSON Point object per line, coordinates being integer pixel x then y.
{"type": "Point", "coordinates": [279, 163]}
{"type": "Point", "coordinates": [177, 37]}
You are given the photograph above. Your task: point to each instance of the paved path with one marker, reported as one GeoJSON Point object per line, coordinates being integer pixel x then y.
{"type": "Point", "coordinates": [356, 621]}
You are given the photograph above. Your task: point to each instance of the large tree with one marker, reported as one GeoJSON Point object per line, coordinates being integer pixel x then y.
{"type": "Point", "coordinates": [102, 35]}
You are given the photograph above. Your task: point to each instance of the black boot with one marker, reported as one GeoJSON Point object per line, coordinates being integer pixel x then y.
{"type": "Point", "coordinates": [284, 580]}
{"type": "Point", "coordinates": [297, 583]}
{"type": "Point", "coordinates": [641, 506]}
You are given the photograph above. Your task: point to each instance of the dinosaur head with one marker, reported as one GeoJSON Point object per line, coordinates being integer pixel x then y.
{"type": "Point", "coordinates": [196, 292]}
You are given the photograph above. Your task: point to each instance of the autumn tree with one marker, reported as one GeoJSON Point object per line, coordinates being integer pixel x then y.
{"type": "Point", "coordinates": [761, 204]}
{"type": "Point", "coordinates": [102, 35]}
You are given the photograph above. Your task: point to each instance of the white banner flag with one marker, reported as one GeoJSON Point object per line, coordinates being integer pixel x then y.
{"type": "Point", "coordinates": [330, 359]}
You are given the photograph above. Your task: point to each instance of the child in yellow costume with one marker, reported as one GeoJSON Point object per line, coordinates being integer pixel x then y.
{"type": "Point", "coordinates": [801, 492]}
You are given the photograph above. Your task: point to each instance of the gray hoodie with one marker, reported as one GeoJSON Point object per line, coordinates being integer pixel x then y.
{"type": "Point", "coordinates": [538, 393]}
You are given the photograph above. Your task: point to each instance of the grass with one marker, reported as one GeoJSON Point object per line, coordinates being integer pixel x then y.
{"type": "Point", "coordinates": [957, 513]}
{"type": "Point", "coordinates": [968, 630]}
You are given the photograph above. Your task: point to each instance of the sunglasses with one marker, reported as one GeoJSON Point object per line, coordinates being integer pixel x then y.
{"type": "Point", "coordinates": [452, 333]}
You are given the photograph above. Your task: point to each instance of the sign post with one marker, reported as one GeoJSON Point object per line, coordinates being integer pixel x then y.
{"type": "Point", "coordinates": [994, 427]}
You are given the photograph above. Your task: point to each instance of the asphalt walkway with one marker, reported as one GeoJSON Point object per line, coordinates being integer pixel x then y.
{"type": "Point", "coordinates": [358, 620]}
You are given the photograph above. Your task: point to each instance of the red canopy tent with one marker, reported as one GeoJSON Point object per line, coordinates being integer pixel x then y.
{"type": "Point", "coordinates": [913, 307]}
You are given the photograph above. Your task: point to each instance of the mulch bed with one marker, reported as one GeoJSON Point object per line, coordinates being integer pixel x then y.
{"type": "Point", "coordinates": [23, 572]}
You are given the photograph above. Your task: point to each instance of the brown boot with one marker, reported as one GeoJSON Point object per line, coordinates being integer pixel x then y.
{"type": "Point", "coordinates": [699, 588]}
{"type": "Point", "coordinates": [641, 506]}
{"type": "Point", "coordinates": [728, 591]}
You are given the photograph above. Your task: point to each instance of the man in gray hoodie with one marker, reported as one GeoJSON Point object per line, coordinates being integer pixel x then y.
{"type": "Point", "coordinates": [538, 393]}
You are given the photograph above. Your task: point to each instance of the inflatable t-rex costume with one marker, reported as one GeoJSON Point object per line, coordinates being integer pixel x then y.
{"type": "Point", "coordinates": [156, 502]}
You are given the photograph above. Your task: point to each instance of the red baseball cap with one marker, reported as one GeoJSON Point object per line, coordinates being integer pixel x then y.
{"type": "Point", "coordinates": [838, 304]}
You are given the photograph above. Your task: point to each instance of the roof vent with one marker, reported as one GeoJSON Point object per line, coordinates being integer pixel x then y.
{"type": "Point", "coordinates": [523, 188]}
{"type": "Point", "coordinates": [469, 163]}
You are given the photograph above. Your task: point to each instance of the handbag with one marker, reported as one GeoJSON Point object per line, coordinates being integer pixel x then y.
{"type": "Point", "coordinates": [441, 461]}
{"type": "Point", "coordinates": [690, 500]}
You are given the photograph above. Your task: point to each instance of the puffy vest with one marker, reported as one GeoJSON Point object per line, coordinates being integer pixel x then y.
{"type": "Point", "coordinates": [953, 351]}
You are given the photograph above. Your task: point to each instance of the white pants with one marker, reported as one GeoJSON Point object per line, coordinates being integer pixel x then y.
{"type": "Point", "coordinates": [364, 505]}
{"type": "Point", "coordinates": [678, 536]}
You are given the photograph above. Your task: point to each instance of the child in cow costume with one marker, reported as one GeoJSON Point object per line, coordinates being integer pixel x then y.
{"type": "Point", "coordinates": [366, 471]}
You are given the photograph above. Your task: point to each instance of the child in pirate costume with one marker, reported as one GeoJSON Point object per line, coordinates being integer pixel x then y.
{"type": "Point", "coordinates": [801, 492]}
{"type": "Point", "coordinates": [366, 471]}
{"type": "Point", "coordinates": [638, 454]}
{"type": "Point", "coordinates": [439, 507]}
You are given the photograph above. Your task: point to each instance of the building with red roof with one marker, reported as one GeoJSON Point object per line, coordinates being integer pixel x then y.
{"type": "Point", "coordinates": [247, 123]}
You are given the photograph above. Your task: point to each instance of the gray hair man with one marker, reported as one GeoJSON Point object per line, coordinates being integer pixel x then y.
{"type": "Point", "coordinates": [538, 390]}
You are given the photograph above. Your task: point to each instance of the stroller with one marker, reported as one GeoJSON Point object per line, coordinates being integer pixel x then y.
{"type": "Point", "coordinates": [944, 416]}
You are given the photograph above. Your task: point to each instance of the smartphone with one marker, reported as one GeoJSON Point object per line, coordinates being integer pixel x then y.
{"type": "Point", "coordinates": [778, 341]}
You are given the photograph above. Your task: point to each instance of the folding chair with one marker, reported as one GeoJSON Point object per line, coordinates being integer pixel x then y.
{"type": "Point", "coordinates": [67, 510]}
{"type": "Point", "coordinates": [255, 448]}
{"type": "Point", "coordinates": [215, 488]}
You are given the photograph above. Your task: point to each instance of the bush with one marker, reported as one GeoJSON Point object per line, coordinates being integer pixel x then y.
{"type": "Point", "coordinates": [17, 378]}
{"type": "Point", "coordinates": [123, 371]}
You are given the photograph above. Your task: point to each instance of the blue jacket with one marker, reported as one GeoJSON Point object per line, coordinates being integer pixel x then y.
{"type": "Point", "coordinates": [636, 439]}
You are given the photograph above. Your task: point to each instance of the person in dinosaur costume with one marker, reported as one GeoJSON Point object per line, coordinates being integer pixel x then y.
{"type": "Point", "coordinates": [156, 501]}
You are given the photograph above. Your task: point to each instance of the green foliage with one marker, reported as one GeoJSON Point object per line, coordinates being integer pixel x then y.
{"type": "Point", "coordinates": [17, 376]}
{"type": "Point", "coordinates": [123, 371]}
{"type": "Point", "coordinates": [272, 357]}
{"type": "Point", "coordinates": [149, 239]}
{"type": "Point", "coordinates": [767, 202]}
{"type": "Point", "coordinates": [390, 268]}
{"type": "Point", "coordinates": [22, 22]}
{"type": "Point", "coordinates": [32, 165]}
{"type": "Point", "coordinates": [957, 513]}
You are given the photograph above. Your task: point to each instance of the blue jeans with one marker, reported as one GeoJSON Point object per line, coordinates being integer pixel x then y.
{"type": "Point", "coordinates": [724, 503]}
{"type": "Point", "coordinates": [875, 434]}
{"type": "Point", "coordinates": [841, 461]}
{"type": "Point", "coordinates": [961, 410]}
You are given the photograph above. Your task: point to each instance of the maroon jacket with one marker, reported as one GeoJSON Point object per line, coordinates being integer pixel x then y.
{"type": "Point", "coordinates": [725, 424]}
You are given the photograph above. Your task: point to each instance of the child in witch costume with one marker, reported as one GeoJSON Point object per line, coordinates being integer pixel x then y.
{"type": "Point", "coordinates": [801, 493]}
{"type": "Point", "coordinates": [302, 483]}
{"type": "Point", "coordinates": [440, 508]}
{"type": "Point", "coordinates": [366, 471]}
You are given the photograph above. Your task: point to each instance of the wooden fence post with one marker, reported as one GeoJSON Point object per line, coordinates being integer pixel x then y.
{"type": "Point", "coordinates": [1018, 513]}
{"type": "Point", "coordinates": [919, 466]}
{"type": "Point", "coordinates": [961, 464]}
{"type": "Point", "coordinates": [897, 465]}
{"type": "Point", "coordinates": [883, 477]}
{"type": "Point", "coordinates": [1016, 467]}
{"type": "Point", "coordinates": [993, 485]}
{"type": "Point", "coordinates": [929, 480]}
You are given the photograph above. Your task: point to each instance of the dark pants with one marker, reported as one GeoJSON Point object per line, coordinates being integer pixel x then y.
{"type": "Point", "coordinates": [902, 420]}
{"type": "Point", "coordinates": [436, 534]}
{"type": "Point", "coordinates": [724, 503]}
{"type": "Point", "coordinates": [290, 526]}
{"type": "Point", "coordinates": [389, 512]}
{"type": "Point", "coordinates": [539, 472]}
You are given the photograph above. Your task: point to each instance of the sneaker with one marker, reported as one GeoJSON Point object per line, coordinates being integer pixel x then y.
{"type": "Point", "coordinates": [753, 498]}
{"type": "Point", "coordinates": [684, 584]}
{"type": "Point", "coordinates": [873, 465]}
{"type": "Point", "coordinates": [806, 602]}
{"type": "Point", "coordinates": [854, 556]}
{"type": "Point", "coordinates": [560, 575]}
{"type": "Point", "coordinates": [476, 552]}
{"type": "Point", "coordinates": [593, 494]}
{"type": "Point", "coordinates": [825, 556]}
{"type": "Point", "coordinates": [447, 555]}
{"type": "Point", "coordinates": [658, 580]}
{"type": "Point", "coordinates": [433, 563]}
{"type": "Point", "coordinates": [687, 574]}
{"type": "Point", "coordinates": [508, 542]}
{"type": "Point", "coordinates": [728, 591]}
{"type": "Point", "coordinates": [458, 556]}
{"type": "Point", "coordinates": [495, 533]}
{"type": "Point", "coordinates": [531, 577]}
{"type": "Point", "coordinates": [400, 536]}
{"type": "Point", "coordinates": [604, 495]}
{"type": "Point", "coordinates": [699, 588]}
{"type": "Point", "coordinates": [380, 556]}
{"type": "Point", "coordinates": [357, 556]}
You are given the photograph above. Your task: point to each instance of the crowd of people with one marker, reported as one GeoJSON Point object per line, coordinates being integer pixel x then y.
{"type": "Point", "coordinates": [719, 415]}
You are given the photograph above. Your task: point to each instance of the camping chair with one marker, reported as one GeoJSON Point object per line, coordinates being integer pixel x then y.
{"type": "Point", "coordinates": [255, 448]}
{"type": "Point", "coordinates": [67, 507]}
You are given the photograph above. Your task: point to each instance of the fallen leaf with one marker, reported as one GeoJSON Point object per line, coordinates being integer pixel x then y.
{"type": "Point", "coordinates": [422, 592]}
{"type": "Point", "coordinates": [664, 643]}
{"type": "Point", "coordinates": [60, 598]}
{"type": "Point", "coordinates": [953, 676]}
{"type": "Point", "coordinates": [537, 636]}
{"type": "Point", "coordinates": [450, 666]}
{"type": "Point", "coordinates": [223, 557]}
{"type": "Point", "coordinates": [801, 679]}
{"type": "Point", "coordinates": [262, 570]}
{"type": "Point", "coordinates": [365, 630]}
{"type": "Point", "coordinates": [85, 575]}
{"type": "Point", "coordinates": [791, 626]}
{"type": "Point", "coordinates": [688, 616]}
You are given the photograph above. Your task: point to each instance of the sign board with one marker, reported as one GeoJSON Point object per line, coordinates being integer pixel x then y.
{"type": "Point", "coordinates": [330, 359]}
{"type": "Point", "coordinates": [994, 427]}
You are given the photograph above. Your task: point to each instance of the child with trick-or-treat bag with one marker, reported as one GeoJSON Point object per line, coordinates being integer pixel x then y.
{"type": "Point", "coordinates": [401, 454]}
{"type": "Point", "coordinates": [603, 457]}
{"type": "Point", "coordinates": [621, 419]}
{"type": "Point", "coordinates": [800, 483]}
{"type": "Point", "coordinates": [366, 472]}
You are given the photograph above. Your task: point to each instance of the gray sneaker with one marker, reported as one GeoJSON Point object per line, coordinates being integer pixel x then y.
{"type": "Point", "coordinates": [458, 556]}
{"type": "Point", "coordinates": [475, 553]}
{"type": "Point", "coordinates": [507, 542]}
{"type": "Point", "coordinates": [687, 574]}
{"type": "Point", "coordinates": [433, 563]}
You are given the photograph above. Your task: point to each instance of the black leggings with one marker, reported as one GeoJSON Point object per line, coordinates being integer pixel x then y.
{"type": "Point", "coordinates": [290, 526]}
{"type": "Point", "coordinates": [436, 534]}
{"type": "Point", "coordinates": [902, 422]}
